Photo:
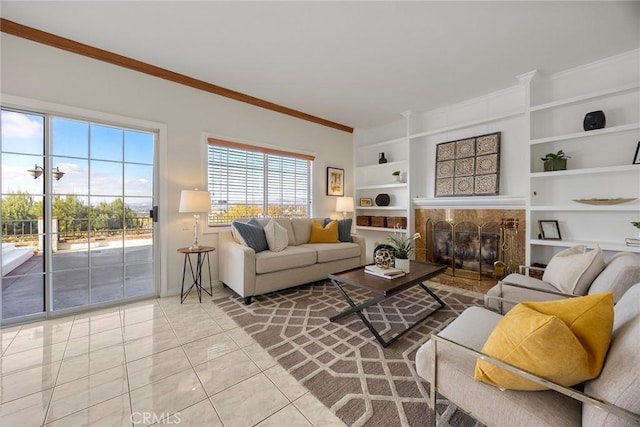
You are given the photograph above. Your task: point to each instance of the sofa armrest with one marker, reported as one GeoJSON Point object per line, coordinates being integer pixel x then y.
{"type": "Point", "coordinates": [506, 293]}
{"type": "Point", "coordinates": [544, 291]}
{"type": "Point", "coordinates": [237, 265]}
{"type": "Point", "coordinates": [437, 340]}
{"type": "Point", "coordinates": [363, 247]}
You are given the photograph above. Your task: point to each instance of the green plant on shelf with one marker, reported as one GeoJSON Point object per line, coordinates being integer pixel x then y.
{"type": "Point", "coordinates": [555, 161]}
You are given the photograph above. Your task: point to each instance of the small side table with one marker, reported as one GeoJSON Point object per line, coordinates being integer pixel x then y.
{"type": "Point", "coordinates": [196, 275]}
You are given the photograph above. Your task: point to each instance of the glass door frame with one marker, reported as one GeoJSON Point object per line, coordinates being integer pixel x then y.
{"type": "Point", "coordinates": [49, 110]}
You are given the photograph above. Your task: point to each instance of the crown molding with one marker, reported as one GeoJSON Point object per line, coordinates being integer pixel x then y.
{"type": "Point", "coordinates": [29, 33]}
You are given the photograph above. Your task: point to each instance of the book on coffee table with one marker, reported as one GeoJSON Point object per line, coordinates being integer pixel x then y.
{"type": "Point", "coordinates": [387, 273]}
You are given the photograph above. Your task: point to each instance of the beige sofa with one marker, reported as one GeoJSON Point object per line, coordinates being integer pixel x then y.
{"type": "Point", "coordinates": [249, 273]}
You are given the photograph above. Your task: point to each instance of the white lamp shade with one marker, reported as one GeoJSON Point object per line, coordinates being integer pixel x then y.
{"type": "Point", "coordinates": [344, 204]}
{"type": "Point", "coordinates": [195, 201]}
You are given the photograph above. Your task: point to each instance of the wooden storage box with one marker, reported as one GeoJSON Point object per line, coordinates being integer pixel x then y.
{"type": "Point", "coordinates": [397, 221]}
{"type": "Point", "coordinates": [364, 220]}
{"type": "Point", "coordinates": [378, 221]}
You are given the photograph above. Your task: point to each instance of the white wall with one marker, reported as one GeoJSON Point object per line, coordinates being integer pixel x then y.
{"type": "Point", "coordinates": [513, 140]}
{"type": "Point", "coordinates": [47, 75]}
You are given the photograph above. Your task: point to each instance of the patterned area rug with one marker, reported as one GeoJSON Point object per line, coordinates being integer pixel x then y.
{"type": "Point", "coordinates": [341, 363]}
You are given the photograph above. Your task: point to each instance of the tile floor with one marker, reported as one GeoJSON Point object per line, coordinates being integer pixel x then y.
{"type": "Point", "coordinates": [151, 362]}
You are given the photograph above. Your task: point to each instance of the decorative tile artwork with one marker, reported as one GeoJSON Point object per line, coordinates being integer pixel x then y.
{"type": "Point", "coordinates": [468, 167]}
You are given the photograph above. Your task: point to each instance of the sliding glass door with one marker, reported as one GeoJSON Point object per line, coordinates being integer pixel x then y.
{"type": "Point", "coordinates": [23, 266]}
{"type": "Point", "coordinates": [88, 193]}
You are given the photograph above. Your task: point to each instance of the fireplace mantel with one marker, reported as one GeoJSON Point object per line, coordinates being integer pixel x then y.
{"type": "Point", "coordinates": [484, 202]}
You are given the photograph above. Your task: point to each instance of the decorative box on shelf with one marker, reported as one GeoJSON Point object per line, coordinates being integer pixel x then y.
{"type": "Point", "coordinates": [378, 221]}
{"type": "Point", "coordinates": [363, 220]}
{"type": "Point", "coordinates": [397, 221]}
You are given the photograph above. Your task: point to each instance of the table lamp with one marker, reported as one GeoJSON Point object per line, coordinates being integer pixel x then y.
{"type": "Point", "coordinates": [195, 202]}
{"type": "Point", "coordinates": [344, 205]}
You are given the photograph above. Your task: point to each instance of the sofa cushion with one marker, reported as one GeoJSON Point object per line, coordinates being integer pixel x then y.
{"type": "Point", "coordinates": [328, 252]}
{"type": "Point", "coordinates": [573, 269]}
{"type": "Point", "coordinates": [619, 381]}
{"type": "Point", "coordinates": [565, 341]}
{"type": "Point", "coordinates": [324, 234]}
{"type": "Point", "coordinates": [290, 257]}
{"type": "Point", "coordinates": [344, 229]}
{"type": "Point", "coordinates": [277, 237]}
{"type": "Point", "coordinates": [622, 272]}
{"type": "Point", "coordinates": [301, 230]}
{"type": "Point", "coordinates": [285, 222]}
{"type": "Point", "coordinates": [251, 234]}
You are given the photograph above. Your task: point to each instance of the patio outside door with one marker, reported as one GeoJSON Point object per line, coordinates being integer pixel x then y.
{"type": "Point", "coordinates": [76, 228]}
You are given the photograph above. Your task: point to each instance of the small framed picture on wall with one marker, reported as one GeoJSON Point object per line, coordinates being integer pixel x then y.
{"type": "Point", "coordinates": [549, 230]}
{"type": "Point", "coordinates": [335, 181]}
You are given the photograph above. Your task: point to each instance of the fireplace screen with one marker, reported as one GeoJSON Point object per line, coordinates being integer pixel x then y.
{"type": "Point", "coordinates": [467, 248]}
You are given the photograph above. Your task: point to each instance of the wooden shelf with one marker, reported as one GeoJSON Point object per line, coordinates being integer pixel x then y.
{"type": "Point", "coordinates": [381, 208]}
{"type": "Point", "coordinates": [587, 208]}
{"type": "Point", "coordinates": [587, 134]}
{"type": "Point", "coordinates": [382, 143]}
{"type": "Point", "coordinates": [382, 165]}
{"type": "Point", "coordinates": [586, 97]}
{"type": "Point", "coordinates": [472, 202]}
{"type": "Point", "coordinates": [382, 186]}
{"type": "Point", "coordinates": [605, 246]}
{"type": "Point", "coordinates": [468, 124]}
{"type": "Point", "coordinates": [587, 171]}
{"type": "Point", "coordinates": [383, 229]}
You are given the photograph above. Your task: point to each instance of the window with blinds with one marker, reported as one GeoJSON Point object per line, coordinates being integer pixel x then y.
{"type": "Point", "coordinates": [247, 181]}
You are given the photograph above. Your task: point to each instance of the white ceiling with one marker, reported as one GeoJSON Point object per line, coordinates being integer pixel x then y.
{"type": "Point", "coordinates": [356, 63]}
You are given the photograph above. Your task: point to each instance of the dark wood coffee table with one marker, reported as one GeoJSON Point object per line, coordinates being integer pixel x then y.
{"type": "Point", "coordinates": [385, 288]}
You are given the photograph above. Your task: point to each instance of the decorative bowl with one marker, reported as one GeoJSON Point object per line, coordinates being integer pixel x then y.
{"type": "Point", "coordinates": [616, 201]}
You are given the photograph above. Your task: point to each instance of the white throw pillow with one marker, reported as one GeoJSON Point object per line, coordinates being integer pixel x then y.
{"type": "Point", "coordinates": [574, 269]}
{"type": "Point", "coordinates": [277, 236]}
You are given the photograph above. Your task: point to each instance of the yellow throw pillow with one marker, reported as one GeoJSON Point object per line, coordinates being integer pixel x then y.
{"type": "Point", "coordinates": [326, 234]}
{"type": "Point", "coordinates": [564, 341]}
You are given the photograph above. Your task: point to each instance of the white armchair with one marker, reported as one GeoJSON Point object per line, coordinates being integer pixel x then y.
{"type": "Point", "coordinates": [447, 361]}
{"type": "Point", "coordinates": [619, 274]}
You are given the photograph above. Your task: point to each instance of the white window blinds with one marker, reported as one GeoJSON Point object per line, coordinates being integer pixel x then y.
{"type": "Point", "coordinates": [248, 181]}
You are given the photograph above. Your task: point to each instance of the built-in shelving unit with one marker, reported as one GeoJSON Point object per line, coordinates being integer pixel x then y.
{"type": "Point", "coordinates": [542, 114]}
{"type": "Point", "coordinates": [600, 164]}
{"type": "Point", "coordinates": [373, 178]}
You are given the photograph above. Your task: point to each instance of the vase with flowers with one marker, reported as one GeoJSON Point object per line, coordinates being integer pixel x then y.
{"type": "Point", "coordinates": [403, 246]}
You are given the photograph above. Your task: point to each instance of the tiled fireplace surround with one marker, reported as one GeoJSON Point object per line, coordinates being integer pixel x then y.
{"type": "Point", "coordinates": [485, 218]}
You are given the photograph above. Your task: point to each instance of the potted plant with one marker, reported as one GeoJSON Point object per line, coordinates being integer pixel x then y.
{"type": "Point", "coordinates": [397, 175]}
{"type": "Point", "coordinates": [555, 161]}
{"type": "Point", "coordinates": [636, 224]}
{"type": "Point", "coordinates": [403, 247]}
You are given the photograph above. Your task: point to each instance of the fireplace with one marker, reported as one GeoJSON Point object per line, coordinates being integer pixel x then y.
{"type": "Point", "coordinates": [475, 244]}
